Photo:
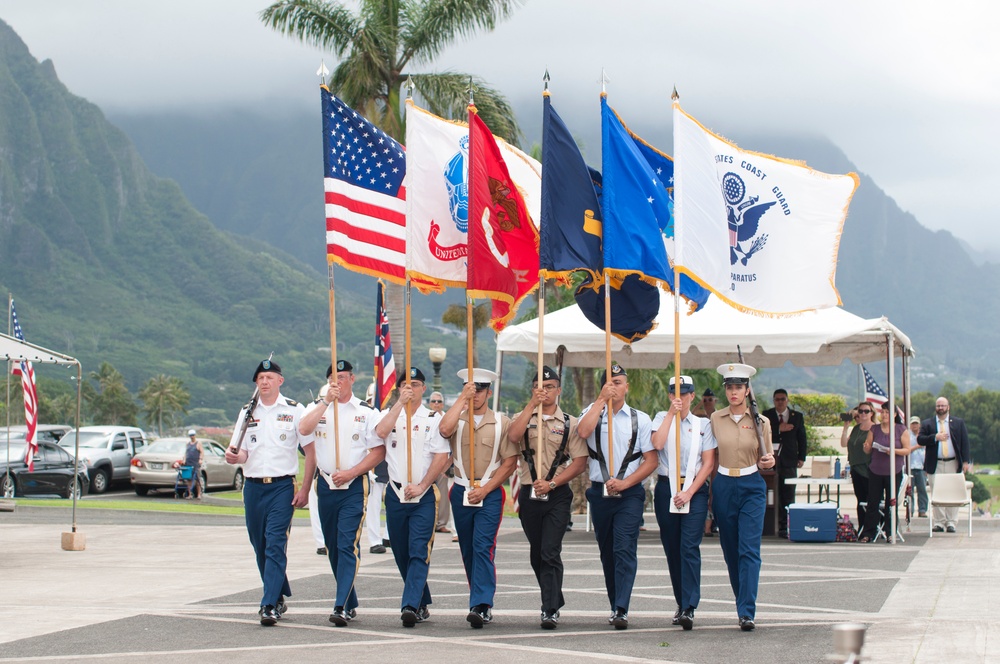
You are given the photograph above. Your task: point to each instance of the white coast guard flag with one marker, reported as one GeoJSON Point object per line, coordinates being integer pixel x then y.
{"type": "Point", "coordinates": [437, 199]}
{"type": "Point", "coordinates": [759, 231]}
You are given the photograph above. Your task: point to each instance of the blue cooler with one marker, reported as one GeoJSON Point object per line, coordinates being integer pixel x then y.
{"type": "Point", "coordinates": [812, 522]}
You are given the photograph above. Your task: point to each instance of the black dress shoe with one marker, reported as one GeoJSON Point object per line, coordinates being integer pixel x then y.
{"type": "Point", "coordinates": [550, 619]}
{"type": "Point", "coordinates": [281, 607]}
{"type": "Point", "coordinates": [423, 614]}
{"type": "Point", "coordinates": [687, 619]}
{"type": "Point", "coordinates": [339, 617]}
{"type": "Point", "coordinates": [409, 616]}
{"type": "Point", "coordinates": [387, 544]}
{"type": "Point", "coordinates": [677, 617]}
{"type": "Point", "coordinates": [321, 551]}
{"type": "Point", "coordinates": [480, 615]}
{"type": "Point", "coordinates": [950, 529]}
{"type": "Point", "coordinates": [746, 624]}
{"type": "Point", "coordinates": [938, 529]}
{"type": "Point", "coordinates": [268, 615]}
{"type": "Point", "coordinates": [620, 619]}
{"type": "Point", "coordinates": [378, 548]}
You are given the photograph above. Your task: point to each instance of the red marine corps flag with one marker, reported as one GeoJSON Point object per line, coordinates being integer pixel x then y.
{"type": "Point", "coordinates": [503, 239]}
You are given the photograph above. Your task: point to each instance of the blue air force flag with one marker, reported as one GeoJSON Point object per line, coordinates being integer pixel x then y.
{"type": "Point", "coordinates": [759, 231]}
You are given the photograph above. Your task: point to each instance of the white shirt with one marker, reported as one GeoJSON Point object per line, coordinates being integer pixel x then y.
{"type": "Point", "coordinates": [623, 436]}
{"type": "Point", "coordinates": [687, 425]}
{"type": "Point", "coordinates": [426, 441]}
{"type": "Point", "coordinates": [357, 424]}
{"type": "Point", "coordinates": [272, 439]}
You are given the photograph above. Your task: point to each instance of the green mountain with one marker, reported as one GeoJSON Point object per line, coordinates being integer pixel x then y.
{"type": "Point", "coordinates": [108, 262]}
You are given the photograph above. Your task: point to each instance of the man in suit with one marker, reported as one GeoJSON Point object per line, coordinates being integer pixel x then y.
{"type": "Point", "coordinates": [788, 431]}
{"type": "Point", "coordinates": [947, 442]}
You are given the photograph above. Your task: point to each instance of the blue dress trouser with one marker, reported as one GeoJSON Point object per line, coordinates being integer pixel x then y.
{"type": "Point", "coordinates": [739, 504]}
{"type": "Point", "coordinates": [268, 510]}
{"type": "Point", "coordinates": [544, 523]}
{"type": "Point", "coordinates": [341, 513]}
{"type": "Point", "coordinates": [616, 527]}
{"type": "Point", "coordinates": [681, 536]}
{"type": "Point", "coordinates": [411, 531]}
{"type": "Point", "coordinates": [477, 529]}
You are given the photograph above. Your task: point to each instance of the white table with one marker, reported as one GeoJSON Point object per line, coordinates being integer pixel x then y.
{"type": "Point", "coordinates": [819, 482]}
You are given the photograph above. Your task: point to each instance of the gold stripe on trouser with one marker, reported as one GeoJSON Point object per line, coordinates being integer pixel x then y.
{"type": "Point", "coordinates": [361, 526]}
{"type": "Point", "coordinates": [430, 542]}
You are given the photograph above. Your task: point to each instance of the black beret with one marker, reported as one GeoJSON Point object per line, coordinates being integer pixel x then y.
{"type": "Point", "coordinates": [415, 374]}
{"type": "Point", "coordinates": [266, 365]}
{"type": "Point", "coordinates": [342, 365]}
{"type": "Point", "coordinates": [616, 370]}
{"type": "Point", "coordinates": [548, 373]}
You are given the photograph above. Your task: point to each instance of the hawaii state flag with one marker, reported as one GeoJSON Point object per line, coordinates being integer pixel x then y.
{"type": "Point", "coordinates": [503, 240]}
{"type": "Point", "coordinates": [385, 366]}
{"type": "Point", "coordinates": [759, 231]}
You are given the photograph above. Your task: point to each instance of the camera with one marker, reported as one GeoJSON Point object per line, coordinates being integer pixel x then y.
{"type": "Point", "coordinates": [846, 417]}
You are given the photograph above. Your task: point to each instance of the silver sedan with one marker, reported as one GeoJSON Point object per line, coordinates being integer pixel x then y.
{"type": "Point", "coordinates": [156, 466]}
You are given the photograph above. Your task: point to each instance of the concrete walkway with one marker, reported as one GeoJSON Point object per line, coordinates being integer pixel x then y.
{"type": "Point", "coordinates": [153, 586]}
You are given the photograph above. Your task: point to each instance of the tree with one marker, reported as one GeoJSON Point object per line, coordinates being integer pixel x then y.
{"type": "Point", "coordinates": [163, 397]}
{"type": "Point", "coordinates": [456, 315]}
{"type": "Point", "coordinates": [110, 400]}
{"type": "Point", "coordinates": [376, 46]}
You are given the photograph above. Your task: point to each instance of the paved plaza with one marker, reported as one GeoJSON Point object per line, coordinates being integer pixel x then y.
{"type": "Point", "coordinates": [174, 587]}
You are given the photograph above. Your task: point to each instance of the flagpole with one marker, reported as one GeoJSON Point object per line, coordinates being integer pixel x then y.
{"type": "Point", "coordinates": [333, 366]}
{"type": "Point", "coordinates": [891, 503]}
{"type": "Point", "coordinates": [10, 301]}
{"type": "Point", "coordinates": [607, 372]}
{"type": "Point", "coordinates": [470, 330]}
{"type": "Point", "coordinates": [677, 347]}
{"type": "Point", "coordinates": [407, 407]}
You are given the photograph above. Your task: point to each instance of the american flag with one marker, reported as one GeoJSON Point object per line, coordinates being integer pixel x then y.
{"type": "Point", "coordinates": [27, 373]}
{"type": "Point", "coordinates": [363, 170]}
{"type": "Point", "coordinates": [873, 392]}
{"type": "Point", "coordinates": [385, 366]}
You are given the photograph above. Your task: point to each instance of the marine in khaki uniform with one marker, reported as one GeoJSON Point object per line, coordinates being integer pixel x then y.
{"type": "Point", "coordinates": [478, 497]}
{"type": "Point", "coordinates": [551, 461]}
{"type": "Point", "coordinates": [739, 495]}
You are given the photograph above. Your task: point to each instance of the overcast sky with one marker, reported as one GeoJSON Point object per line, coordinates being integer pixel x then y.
{"type": "Point", "coordinates": [908, 90]}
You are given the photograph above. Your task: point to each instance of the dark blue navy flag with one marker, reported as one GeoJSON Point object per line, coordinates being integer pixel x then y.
{"type": "Point", "coordinates": [570, 232]}
{"type": "Point", "coordinates": [571, 235]}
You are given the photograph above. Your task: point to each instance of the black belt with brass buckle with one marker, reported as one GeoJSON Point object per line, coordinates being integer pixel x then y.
{"type": "Point", "coordinates": [269, 480]}
{"type": "Point", "coordinates": [663, 477]}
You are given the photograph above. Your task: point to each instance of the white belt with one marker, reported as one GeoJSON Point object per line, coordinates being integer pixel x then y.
{"type": "Point", "coordinates": [738, 472]}
{"type": "Point", "coordinates": [329, 481]}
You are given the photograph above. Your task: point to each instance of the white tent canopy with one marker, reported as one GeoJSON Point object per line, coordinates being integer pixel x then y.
{"type": "Point", "coordinates": [16, 350]}
{"type": "Point", "coordinates": [709, 337]}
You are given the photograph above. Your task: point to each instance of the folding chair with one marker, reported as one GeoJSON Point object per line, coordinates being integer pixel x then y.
{"type": "Point", "coordinates": [884, 518]}
{"type": "Point", "coordinates": [950, 490]}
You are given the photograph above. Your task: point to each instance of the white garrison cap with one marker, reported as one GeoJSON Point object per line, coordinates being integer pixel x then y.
{"type": "Point", "coordinates": [687, 385]}
{"type": "Point", "coordinates": [478, 375]}
{"type": "Point", "coordinates": [736, 374]}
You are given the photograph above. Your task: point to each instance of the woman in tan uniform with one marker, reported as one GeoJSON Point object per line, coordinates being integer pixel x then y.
{"type": "Point", "coordinates": [739, 495]}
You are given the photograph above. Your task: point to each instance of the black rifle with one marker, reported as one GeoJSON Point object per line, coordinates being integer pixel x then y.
{"type": "Point", "coordinates": [249, 416]}
{"type": "Point", "coordinates": [753, 409]}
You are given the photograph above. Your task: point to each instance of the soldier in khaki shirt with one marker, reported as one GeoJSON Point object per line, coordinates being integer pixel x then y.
{"type": "Point", "coordinates": [739, 495]}
{"type": "Point", "coordinates": [546, 497]}
{"type": "Point", "coordinates": [477, 499]}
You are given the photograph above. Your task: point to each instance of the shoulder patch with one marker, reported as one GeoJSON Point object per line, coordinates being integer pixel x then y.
{"type": "Point", "coordinates": [291, 402]}
{"type": "Point", "coordinates": [365, 404]}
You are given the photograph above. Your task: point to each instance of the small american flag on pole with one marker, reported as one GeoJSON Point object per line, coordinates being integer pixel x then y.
{"type": "Point", "coordinates": [27, 373]}
{"type": "Point", "coordinates": [873, 392]}
{"type": "Point", "coordinates": [363, 170]}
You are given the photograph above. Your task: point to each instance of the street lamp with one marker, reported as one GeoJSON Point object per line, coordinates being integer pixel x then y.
{"type": "Point", "coordinates": [437, 356]}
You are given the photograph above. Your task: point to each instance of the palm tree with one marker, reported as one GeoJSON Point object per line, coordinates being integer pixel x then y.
{"type": "Point", "coordinates": [163, 397]}
{"type": "Point", "coordinates": [377, 45]}
{"type": "Point", "coordinates": [111, 402]}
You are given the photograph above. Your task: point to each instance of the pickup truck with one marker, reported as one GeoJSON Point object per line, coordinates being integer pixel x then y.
{"type": "Point", "coordinates": [108, 452]}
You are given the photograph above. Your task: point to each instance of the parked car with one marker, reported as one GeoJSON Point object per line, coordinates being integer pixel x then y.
{"type": "Point", "coordinates": [156, 466]}
{"type": "Point", "coordinates": [49, 433]}
{"type": "Point", "coordinates": [108, 451]}
{"type": "Point", "coordinates": [54, 473]}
